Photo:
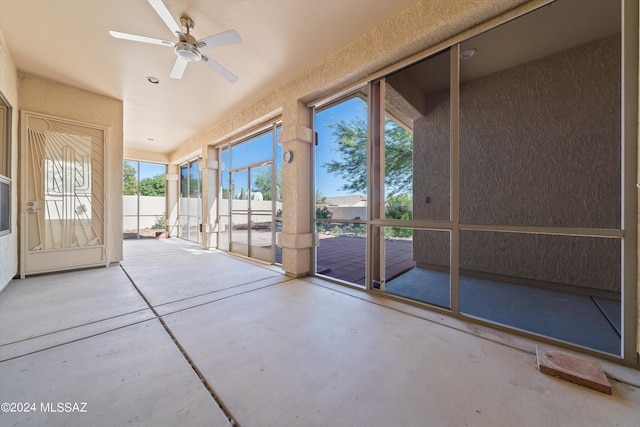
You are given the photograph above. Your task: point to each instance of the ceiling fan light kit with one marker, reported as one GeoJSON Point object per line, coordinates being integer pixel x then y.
{"type": "Point", "coordinates": [187, 48]}
{"type": "Point", "coordinates": [187, 52]}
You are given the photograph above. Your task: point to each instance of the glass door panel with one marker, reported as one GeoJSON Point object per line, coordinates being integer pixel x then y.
{"type": "Point", "coordinates": [416, 142]}
{"type": "Point", "coordinates": [223, 206]}
{"type": "Point", "coordinates": [542, 258]}
{"type": "Point", "coordinates": [417, 264]}
{"type": "Point", "coordinates": [240, 212]}
{"type": "Point", "coordinates": [341, 190]}
{"type": "Point", "coordinates": [261, 209]}
{"type": "Point", "coordinates": [251, 199]}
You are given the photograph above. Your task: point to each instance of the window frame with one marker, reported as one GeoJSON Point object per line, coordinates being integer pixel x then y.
{"type": "Point", "coordinates": [6, 196]}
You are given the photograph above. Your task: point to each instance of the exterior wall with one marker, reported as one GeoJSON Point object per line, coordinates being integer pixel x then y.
{"type": "Point", "coordinates": [9, 242]}
{"type": "Point", "coordinates": [348, 212]}
{"type": "Point", "coordinates": [58, 100]}
{"type": "Point", "coordinates": [513, 174]}
{"type": "Point", "coordinates": [150, 207]}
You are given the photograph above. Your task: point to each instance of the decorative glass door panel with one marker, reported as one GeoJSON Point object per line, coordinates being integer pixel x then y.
{"type": "Point", "coordinates": [63, 193]}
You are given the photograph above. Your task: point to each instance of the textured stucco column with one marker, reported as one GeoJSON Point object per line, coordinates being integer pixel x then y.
{"type": "Point", "coordinates": [296, 238]}
{"type": "Point", "coordinates": [172, 196]}
{"type": "Point", "coordinates": [209, 166]}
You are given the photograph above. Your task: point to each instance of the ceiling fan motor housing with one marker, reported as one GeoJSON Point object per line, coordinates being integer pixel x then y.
{"type": "Point", "coordinates": [187, 52]}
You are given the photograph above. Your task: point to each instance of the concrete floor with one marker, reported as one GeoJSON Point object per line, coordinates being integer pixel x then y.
{"type": "Point", "coordinates": [178, 332]}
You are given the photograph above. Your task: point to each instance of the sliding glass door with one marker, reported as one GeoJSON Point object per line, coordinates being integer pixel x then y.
{"type": "Point", "coordinates": [251, 197]}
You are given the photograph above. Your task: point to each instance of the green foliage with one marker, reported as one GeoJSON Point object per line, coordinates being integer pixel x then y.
{"type": "Point", "coordinates": [154, 186]}
{"type": "Point", "coordinates": [358, 229]}
{"type": "Point", "coordinates": [397, 232]}
{"type": "Point", "coordinates": [189, 185]}
{"type": "Point", "coordinates": [322, 211]}
{"type": "Point", "coordinates": [129, 180]}
{"type": "Point", "coordinates": [351, 140]}
{"type": "Point", "coordinates": [161, 222]}
{"type": "Point", "coordinates": [399, 206]}
{"type": "Point", "coordinates": [262, 184]}
{"type": "Point", "coordinates": [398, 158]}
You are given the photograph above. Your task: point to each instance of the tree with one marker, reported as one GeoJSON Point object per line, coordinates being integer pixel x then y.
{"type": "Point", "coordinates": [351, 140]}
{"type": "Point", "coordinates": [154, 186]}
{"type": "Point", "coordinates": [262, 184]}
{"type": "Point", "coordinates": [398, 147]}
{"type": "Point", "coordinates": [129, 180]}
{"type": "Point", "coordinates": [399, 206]}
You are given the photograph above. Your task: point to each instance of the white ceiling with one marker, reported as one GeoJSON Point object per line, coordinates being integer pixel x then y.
{"type": "Point", "coordinates": [68, 41]}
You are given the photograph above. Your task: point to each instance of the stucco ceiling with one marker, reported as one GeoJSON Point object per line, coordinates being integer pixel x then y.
{"type": "Point", "coordinates": [68, 41]}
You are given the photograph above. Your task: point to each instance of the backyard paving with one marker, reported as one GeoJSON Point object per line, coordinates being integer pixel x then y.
{"type": "Point", "coordinates": [344, 257]}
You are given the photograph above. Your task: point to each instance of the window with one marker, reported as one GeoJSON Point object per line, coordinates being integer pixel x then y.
{"type": "Point", "coordinates": [5, 205]}
{"type": "Point", "coordinates": [143, 204]}
{"type": "Point", "coordinates": [5, 166]}
{"type": "Point", "coordinates": [190, 206]}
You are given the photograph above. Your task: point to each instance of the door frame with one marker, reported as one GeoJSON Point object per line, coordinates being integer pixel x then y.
{"type": "Point", "coordinates": [23, 200]}
{"type": "Point", "coordinates": [249, 210]}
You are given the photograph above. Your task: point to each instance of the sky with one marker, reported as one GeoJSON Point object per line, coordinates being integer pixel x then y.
{"type": "Point", "coordinates": [147, 170]}
{"type": "Point", "coordinates": [326, 183]}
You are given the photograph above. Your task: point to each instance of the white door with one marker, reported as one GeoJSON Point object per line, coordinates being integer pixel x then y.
{"type": "Point", "coordinates": [63, 203]}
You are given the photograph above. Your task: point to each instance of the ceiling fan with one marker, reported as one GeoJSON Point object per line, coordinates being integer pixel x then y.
{"type": "Point", "coordinates": [187, 48]}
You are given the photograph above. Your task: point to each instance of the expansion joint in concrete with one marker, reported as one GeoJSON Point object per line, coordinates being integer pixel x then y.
{"type": "Point", "coordinates": [199, 374]}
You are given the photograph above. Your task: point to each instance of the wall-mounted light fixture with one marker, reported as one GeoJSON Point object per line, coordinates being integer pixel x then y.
{"type": "Point", "coordinates": [287, 156]}
{"type": "Point", "coordinates": [468, 53]}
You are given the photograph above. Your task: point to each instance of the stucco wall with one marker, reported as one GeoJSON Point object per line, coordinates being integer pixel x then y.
{"type": "Point", "coordinates": [9, 242]}
{"type": "Point", "coordinates": [539, 146]}
{"type": "Point", "coordinates": [58, 100]}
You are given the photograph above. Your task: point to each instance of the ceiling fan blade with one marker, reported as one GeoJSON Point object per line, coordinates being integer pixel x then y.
{"type": "Point", "coordinates": [178, 68]}
{"type": "Point", "coordinates": [232, 78]}
{"type": "Point", "coordinates": [165, 15]}
{"type": "Point", "coordinates": [143, 39]}
{"type": "Point", "coordinates": [217, 40]}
